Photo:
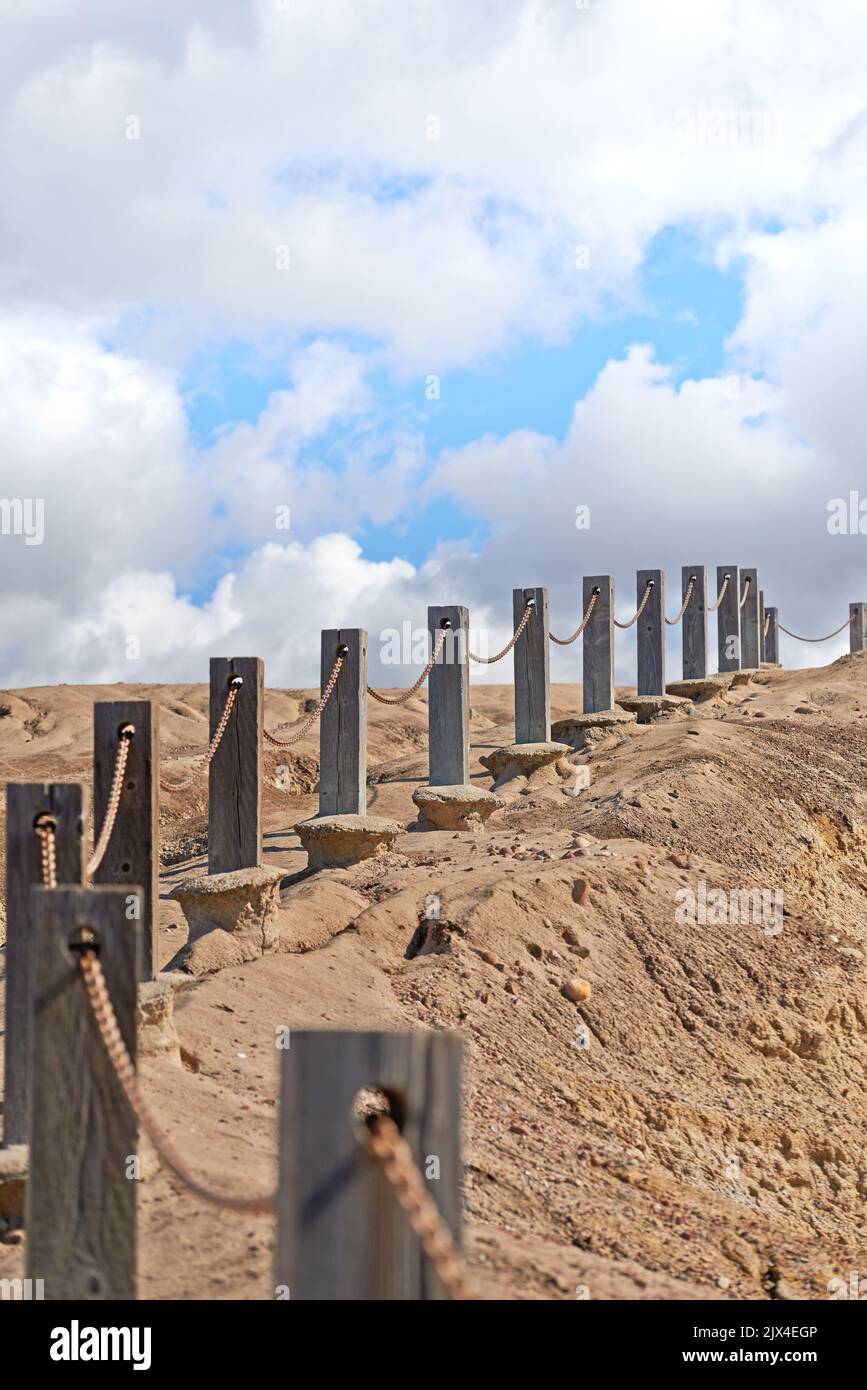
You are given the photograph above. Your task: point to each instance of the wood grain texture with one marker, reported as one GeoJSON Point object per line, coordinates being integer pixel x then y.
{"type": "Point", "coordinates": [532, 668]}
{"type": "Point", "coordinates": [728, 619]}
{"type": "Point", "coordinates": [650, 633]}
{"type": "Point", "coordinates": [598, 641]}
{"type": "Point", "coordinates": [235, 780]}
{"type": "Point", "coordinates": [694, 622]}
{"type": "Point", "coordinates": [343, 726]}
{"type": "Point", "coordinates": [133, 850]}
{"type": "Point", "coordinates": [341, 1233]}
{"type": "Point", "coordinates": [762, 625]}
{"type": "Point", "coordinates": [24, 802]}
{"type": "Point", "coordinates": [750, 630]}
{"type": "Point", "coordinates": [772, 638]}
{"type": "Point", "coordinates": [858, 630]}
{"type": "Point", "coordinates": [449, 700]}
{"type": "Point", "coordinates": [81, 1203]}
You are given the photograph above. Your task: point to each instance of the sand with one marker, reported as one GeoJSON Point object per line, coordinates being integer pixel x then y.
{"type": "Point", "coordinates": [692, 1127]}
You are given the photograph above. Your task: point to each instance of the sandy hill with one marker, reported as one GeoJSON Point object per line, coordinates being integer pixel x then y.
{"type": "Point", "coordinates": [692, 1129]}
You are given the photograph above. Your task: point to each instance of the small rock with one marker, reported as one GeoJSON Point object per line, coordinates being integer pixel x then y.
{"type": "Point", "coordinates": [511, 987]}
{"type": "Point", "coordinates": [535, 951]}
{"type": "Point", "coordinates": [578, 990]}
{"type": "Point", "coordinates": [580, 891]}
{"type": "Point", "coordinates": [489, 958]}
{"type": "Point", "coordinates": [723, 1282]}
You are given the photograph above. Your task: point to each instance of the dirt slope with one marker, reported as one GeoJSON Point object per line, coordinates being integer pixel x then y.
{"type": "Point", "coordinates": [692, 1129]}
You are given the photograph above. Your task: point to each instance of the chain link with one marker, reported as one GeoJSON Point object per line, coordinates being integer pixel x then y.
{"type": "Point", "coordinates": [767, 625]}
{"type": "Point", "coordinates": [567, 641]}
{"type": "Point", "coordinates": [641, 607]}
{"type": "Point", "coordinates": [212, 749]}
{"type": "Point", "coordinates": [46, 829]}
{"type": "Point", "coordinates": [835, 633]}
{"type": "Point", "coordinates": [489, 660]}
{"type": "Point", "coordinates": [388, 1146]}
{"type": "Point", "coordinates": [314, 715]}
{"type": "Point", "coordinates": [407, 694]}
{"type": "Point", "coordinates": [721, 595]}
{"type": "Point", "coordinates": [672, 622]}
{"type": "Point", "coordinates": [126, 735]}
{"type": "Point", "coordinates": [747, 583]}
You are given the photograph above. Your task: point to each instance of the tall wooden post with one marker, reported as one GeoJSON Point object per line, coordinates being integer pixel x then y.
{"type": "Point", "coordinates": [532, 668]}
{"type": "Point", "coordinates": [598, 643]}
{"type": "Point", "coordinates": [750, 631]}
{"type": "Point", "coordinates": [133, 850]}
{"type": "Point", "coordinates": [343, 725]}
{"type": "Point", "coordinates": [858, 627]}
{"type": "Point", "coordinates": [694, 632]}
{"type": "Point", "coordinates": [341, 1233]}
{"type": "Point", "coordinates": [81, 1189]}
{"type": "Point", "coordinates": [728, 618]}
{"type": "Point", "coordinates": [25, 803]}
{"type": "Point", "coordinates": [651, 633]}
{"type": "Point", "coordinates": [235, 780]}
{"type": "Point", "coordinates": [449, 699]}
{"type": "Point", "coordinates": [762, 625]}
{"type": "Point", "coordinates": [772, 636]}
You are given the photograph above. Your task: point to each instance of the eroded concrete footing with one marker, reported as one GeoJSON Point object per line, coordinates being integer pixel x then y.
{"type": "Point", "coordinates": [458, 807]}
{"type": "Point", "coordinates": [232, 918]}
{"type": "Point", "coordinates": [338, 842]}
{"type": "Point", "coordinates": [581, 731]}
{"type": "Point", "coordinates": [522, 760]}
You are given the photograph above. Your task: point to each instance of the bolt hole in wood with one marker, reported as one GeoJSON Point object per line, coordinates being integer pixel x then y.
{"type": "Point", "coordinates": [125, 868]}
{"type": "Point", "coordinates": [369, 1104]}
{"type": "Point", "coordinates": [84, 938]}
{"type": "Point", "coordinates": [126, 729]}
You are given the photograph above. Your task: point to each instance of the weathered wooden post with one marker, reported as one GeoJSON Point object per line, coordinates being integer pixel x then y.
{"type": "Point", "coordinates": [343, 725]}
{"type": "Point", "coordinates": [598, 643]}
{"type": "Point", "coordinates": [694, 634]}
{"type": "Point", "coordinates": [762, 625]}
{"type": "Point", "coordinates": [772, 637]}
{"type": "Point", "coordinates": [729, 618]}
{"type": "Point", "coordinates": [235, 778]}
{"type": "Point", "coordinates": [532, 668]}
{"type": "Point", "coordinates": [858, 627]}
{"type": "Point", "coordinates": [449, 699]}
{"type": "Point", "coordinates": [133, 850]}
{"type": "Point", "coordinates": [81, 1189]}
{"type": "Point", "coordinates": [750, 630]}
{"type": "Point", "coordinates": [25, 803]}
{"type": "Point", "coordinates": [651, 633]}
{"type": "Point", "coordinates": [341, 1233]}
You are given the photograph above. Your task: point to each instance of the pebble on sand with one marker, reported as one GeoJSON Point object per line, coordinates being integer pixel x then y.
{"type": "Point", "coordinates": [578, 989]}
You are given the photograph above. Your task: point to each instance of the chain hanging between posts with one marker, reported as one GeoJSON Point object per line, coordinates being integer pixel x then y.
{"type": "Point", "coordinates": [835, 633]}
{"type": "Point", "coordinates": [567, 641]}
{"type": "Point", "coordinates": [747, 582]}
{"type": "Point", "coordinates": [388, 1146]}
{"type": "Point", "coordinates": [214, 744]}
{"type": "Point", "coordinates": [721, 595]}
{"type": "Point", "coordinates": [489, 660]}
{"type": "Point", "coordinates": [672, 622]}
{"type": "Point", "coordinates": [767, 625]}
{"type": "Point", "coordinates": [125, 736]}
{"type": "Point", "coordinates": [314, 715]}
{"type": "Point", "coordinates": [641, 607]}
{"type": "Point", "coordinates": [407, 694]}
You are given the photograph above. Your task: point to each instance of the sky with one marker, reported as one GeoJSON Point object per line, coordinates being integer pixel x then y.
{"type": "Point", "coordinates": [316, 312]}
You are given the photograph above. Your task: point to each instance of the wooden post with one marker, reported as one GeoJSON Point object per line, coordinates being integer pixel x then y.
{"type": "Point", "coordinates": [694, 620]}
{"type": "Point", "coordinates": [235, 781]}
{"type": "Point", "coordinates": [341, 1233]}
{"type": "Point", "coordinates": [728, 619]}
{"type": "Point", "coordinates": [343, 725]}
{"type": "Point", "coordinates": [651, 633]}
{"type": "Point", "coordinates": [25, 802]}
{"type": "Point", "coordinates": [858, 628]}
{"type": "Point", "coordinates": [598, 643]}
{"type": "Point", "coordinates": [532, 668]}
{"type": "Point", "coordinates": [772, 636]}
{"type": "Point", "coordinates": [449, 700]}
{"type": "Point", "coordinates": [133, 850]}
{"type": "Point", "coordinates": [750, 631]}
{"type": "Point", "coordinates": [81, 1190]}
{"type": "Point", "coordinates": [762, 625]}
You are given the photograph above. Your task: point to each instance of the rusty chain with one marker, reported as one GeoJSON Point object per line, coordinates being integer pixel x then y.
{"type": "Point", "coordinates": [641, 607]}
{"type": "Point", "coordinates": [206, 761]}
{"type": "Point", "coordinates": [407, 694]}
{"type": "Point", "coordinates": [46, 828]}
{"type": "Point", "coordinates": [722, 593]}
{"type": "Point", "coordinates": [125, 736]}
{"type": "Point", "coordinates": [489, 660]}
{"type": "Point", "coordinates": [672, 622]}
{"type": "Point", "coordinates": [747, 584]}
{"type": "Point", "coordinates": [311, 718]}
{"type": "Point", "coordinates": [835, 633]}
{"type": "Point", "coordinates": [567, 641]}
{"type": "Point", "coordinates": [388, 1146]}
